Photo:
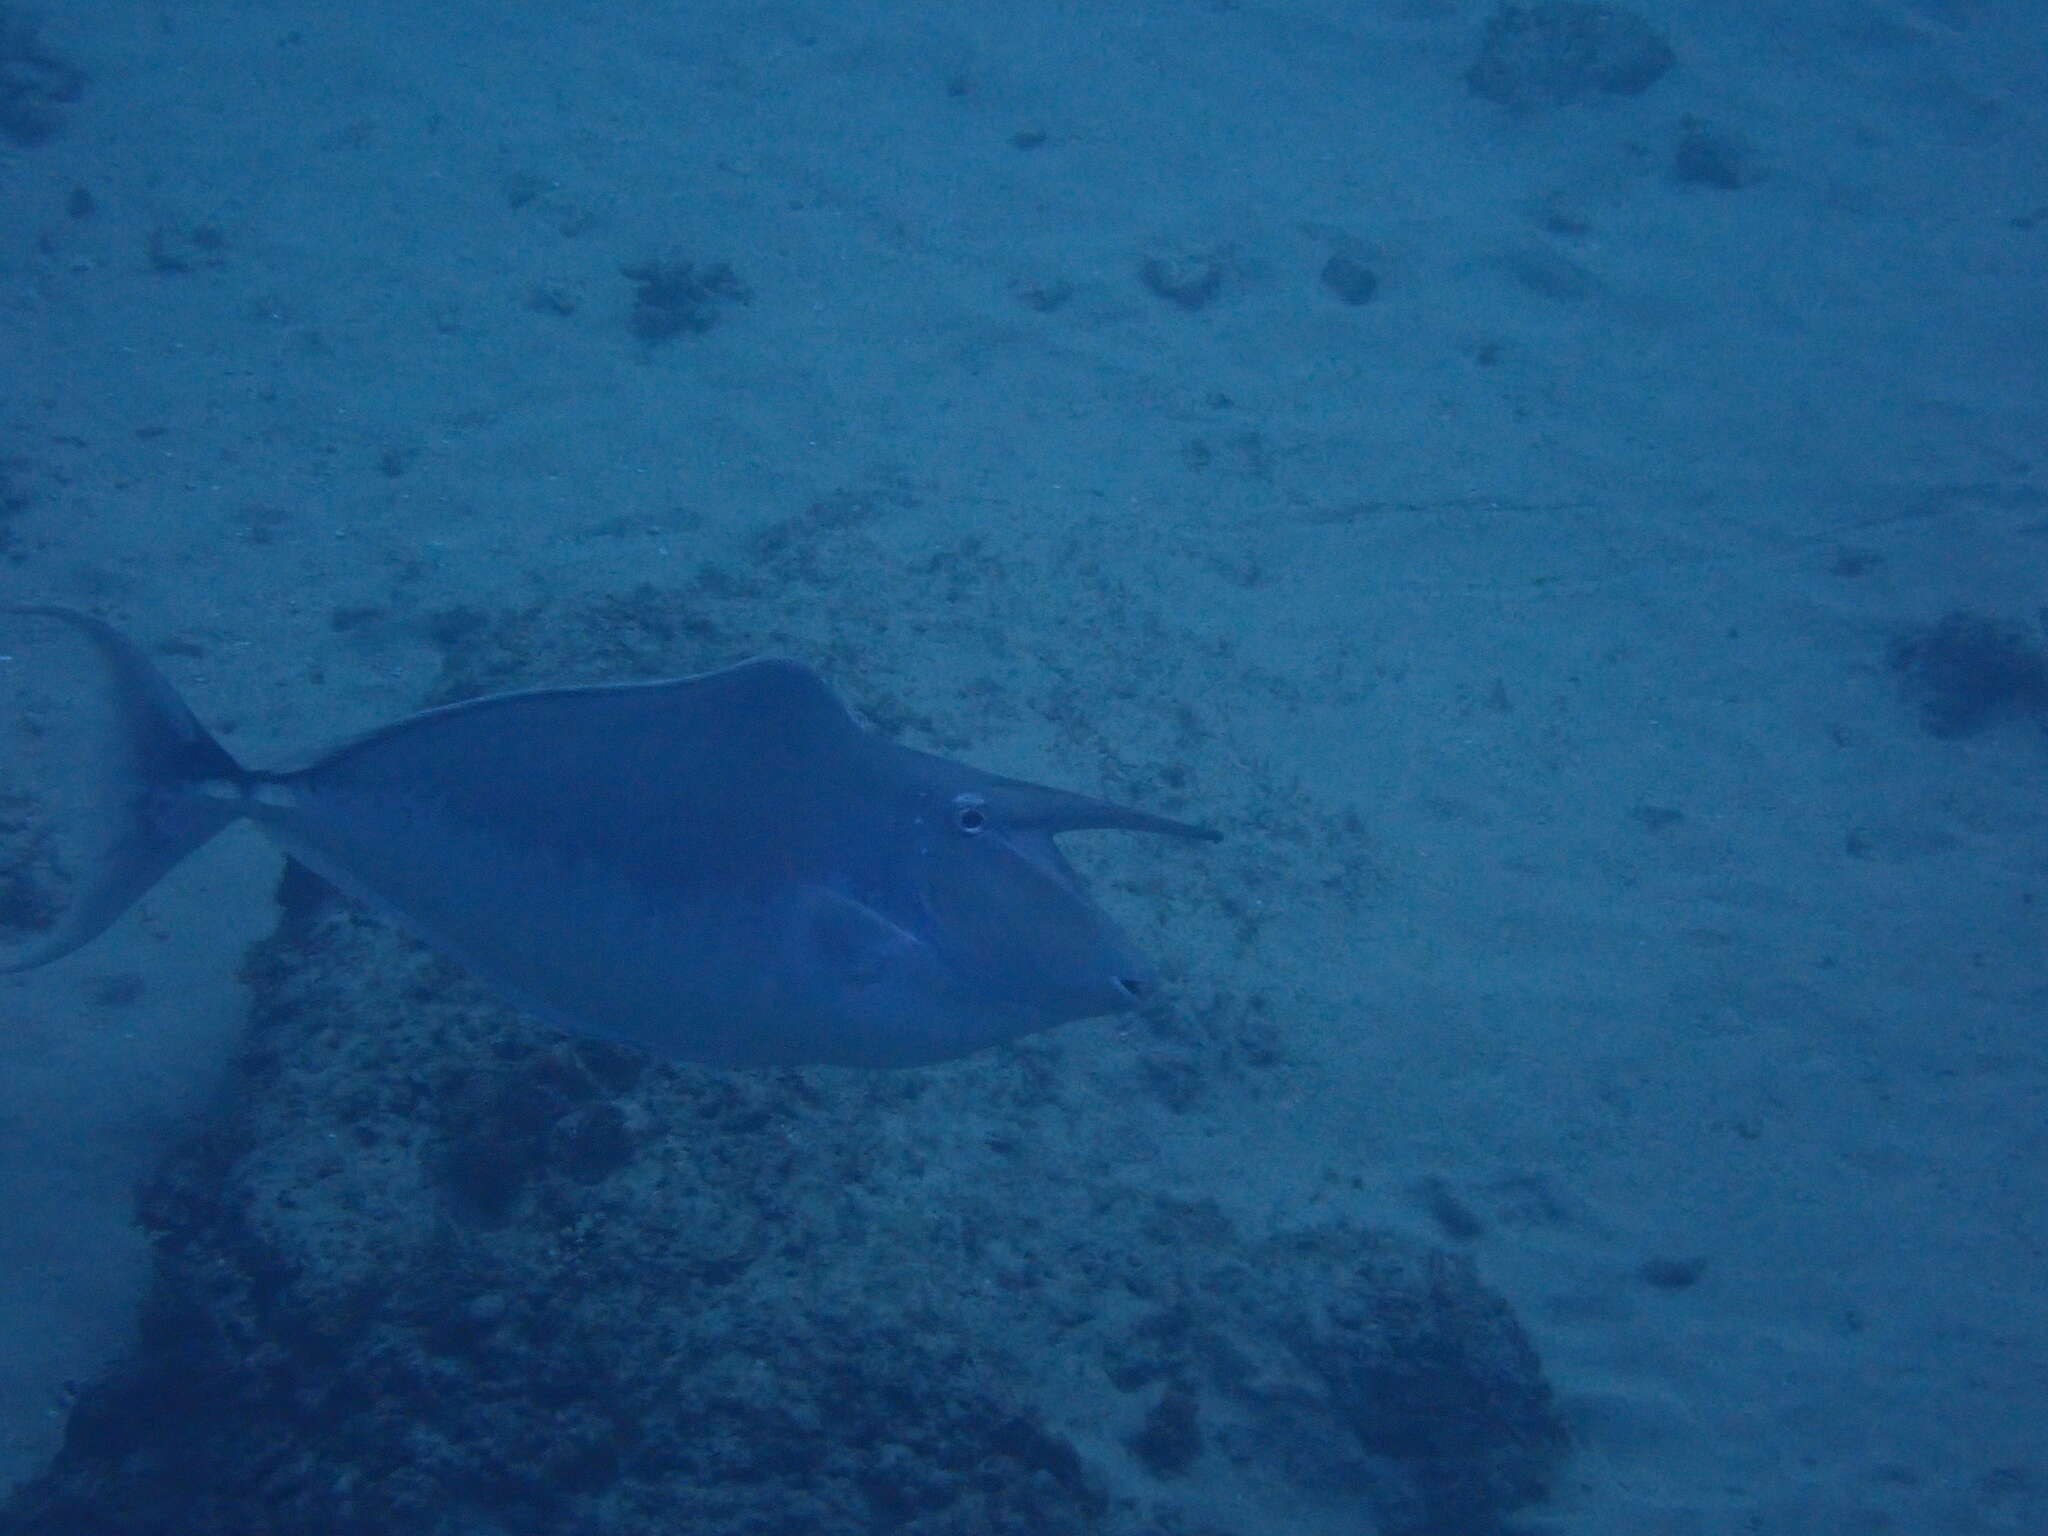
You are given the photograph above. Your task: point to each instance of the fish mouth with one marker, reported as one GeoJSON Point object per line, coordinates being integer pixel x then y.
{"type": "Point", "coordinates": [1134, 989]}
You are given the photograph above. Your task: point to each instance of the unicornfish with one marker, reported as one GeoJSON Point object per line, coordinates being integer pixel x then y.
{"type": "Point", "coordinates": [727, 868]}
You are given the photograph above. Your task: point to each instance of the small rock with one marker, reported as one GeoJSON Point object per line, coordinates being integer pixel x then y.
{"type": "Point", "coordinates": [1189, 281]}
{"type": "Point", "coordinates": [1968, 672]}
{"type": "Point", "coordinates": [1713, 157]}
{"type": "Point", "coordinates": [673, 297]}
{"type": "Point", "coordinates": [1565, 51]}
{"type": "Point", "coordinates": [1350, 279]}
{"type": "Point", "coordinates": [1172, 1435]}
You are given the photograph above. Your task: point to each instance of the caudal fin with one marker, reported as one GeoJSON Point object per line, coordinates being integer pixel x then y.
{"type": "Point", "coordinates": [165, 786]}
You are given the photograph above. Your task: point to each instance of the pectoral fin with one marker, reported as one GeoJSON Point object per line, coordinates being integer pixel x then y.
{"type": "Point", "coordinates": [844, 942]}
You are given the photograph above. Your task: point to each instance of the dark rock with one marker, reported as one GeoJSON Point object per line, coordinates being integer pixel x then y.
{"type": "Point", "coordinates": [1708, 156]}
{"type": "Point", "coordinates": [35, 85]}
{"type": "Point", "coordinates": [1565, 51]}
{"type": "Point", "coordinates": [1550, 274]}
{"type": "Point", "coordinates": [1171, 1438]}
{"type": "Point", "coordinates": [1190, 281]}
{"type": "Point", "coordinates": [1454, 1218]}
{"type": "Point", "coordinates": [1667, 1274]}
{"type": "Point", "coordinates": [1429, 1371]}
{"type": "Point", "coordinates": [1044, 295]}
{"type": "Point", "coordinates": [178, 248]}
{"type": "Point", "coordinates": [673, 297]}
{"type": "Point", "coordinates": [35, 881]}
{"type": "Point", "coordinates": [1968, 672]}
{"type": "Point", "coordinates": [1350, 279]}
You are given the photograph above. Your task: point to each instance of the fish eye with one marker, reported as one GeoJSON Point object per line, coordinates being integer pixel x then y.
{"type": "Point", "coordinates": [970, 814]}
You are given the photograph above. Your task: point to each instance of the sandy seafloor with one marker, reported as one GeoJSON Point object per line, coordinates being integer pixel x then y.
{"type": "Point", "coordinates": [1567, 567]}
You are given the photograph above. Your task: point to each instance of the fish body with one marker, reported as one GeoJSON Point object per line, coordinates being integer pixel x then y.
{"type": "Point", "coordinates": [727, 868]}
